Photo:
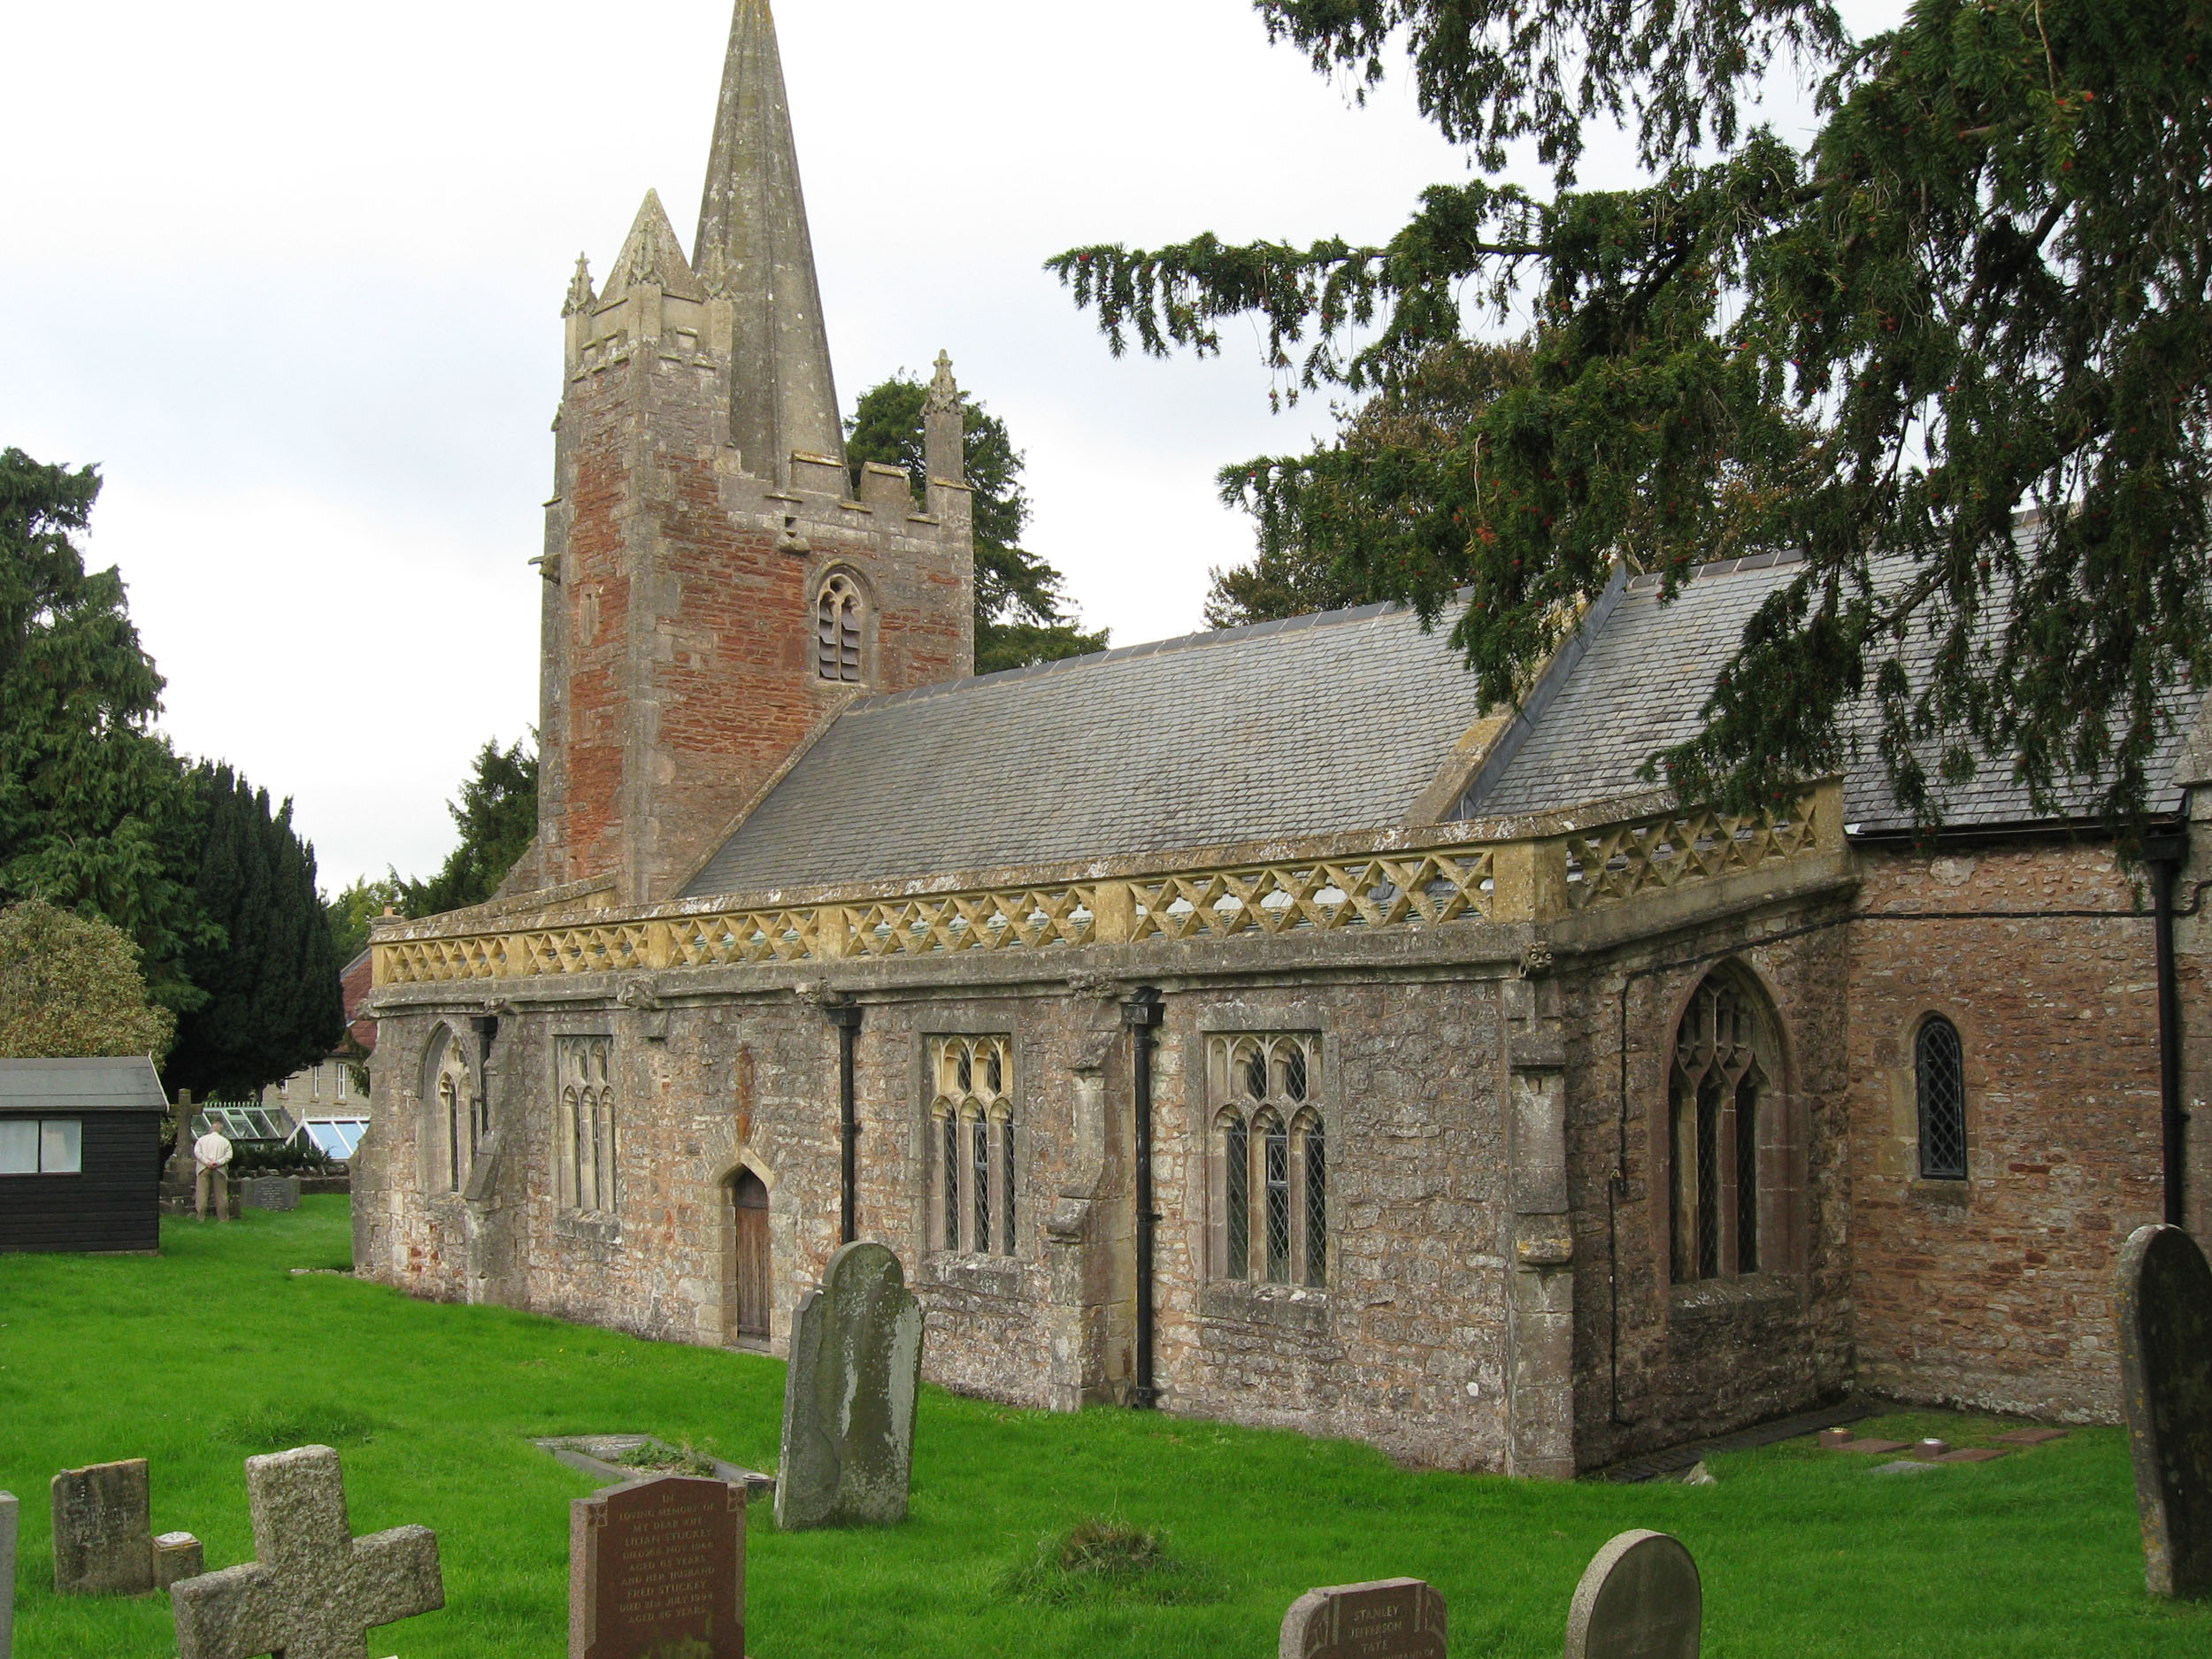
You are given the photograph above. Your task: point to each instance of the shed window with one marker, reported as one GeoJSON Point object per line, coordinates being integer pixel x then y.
{"type": "Point", "coordinates": [41, 1146]}
{"type": "Point", "coordinates": [1940, 1064]}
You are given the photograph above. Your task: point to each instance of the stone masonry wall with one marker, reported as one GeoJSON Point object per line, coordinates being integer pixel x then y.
{"type": "Point", "coordinates": [1405, 1348]}
{"type": "Point", "coordinates": [1997, 1291]}
{"type": "Point", "coordinates": [1669, 1362]}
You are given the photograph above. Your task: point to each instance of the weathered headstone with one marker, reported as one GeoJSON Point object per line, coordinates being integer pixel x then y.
{"type": "Point", "coordinates": [657, 1567]}
{"type": "Point", "coordinates": [270, 1192]}
{"type": "Point", "coordinates": [104, 1534]}
{"type": "Point", "coordinates": [848, 1396]}
{"type": "Point", "coordinates": [316, 1589]}
{"type": "Point", "coordinates": [11, 1512]}
{"type": "Point", "coordinates": [177, 1555]}
{"type": "Point", "coordinates": [2166, 1373]}
{"type": "Point", "coordinates": [1388, 1618]}
{"type": "Point", "coordinates": [1640, 1598]}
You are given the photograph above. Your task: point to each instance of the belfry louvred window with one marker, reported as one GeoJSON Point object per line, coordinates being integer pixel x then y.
{"type": "Point", "coordinates": [838, 629]}
{"type": "Point", "coordinates": [972, 1112]}
{"type": "Point", "coordinates": [1270, 1182]}
{"type": "Point", "coordinates": [1720, 1117]}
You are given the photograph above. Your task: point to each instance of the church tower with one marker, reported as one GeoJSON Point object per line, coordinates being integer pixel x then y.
{"type": "Point", "coordinates": [716, 591]}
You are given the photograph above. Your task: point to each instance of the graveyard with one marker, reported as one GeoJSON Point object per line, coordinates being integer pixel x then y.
{"type": "Point", "coordinates": [249, 1339]}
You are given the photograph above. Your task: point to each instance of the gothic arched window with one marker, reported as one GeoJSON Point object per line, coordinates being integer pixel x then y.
{"type": "Point", "coordinates": [972, 1112]}
{"type": "Point", "coordinates": [589, 1144]}
{"type": "Point", "coordinates": [1269, 1157]}
{"type": "Point", "coordinates": [1720, 1115]}
{"type": "Point", "coordinates": [457, 1114]}
{"type": "Point", "coordinates": [838, 630]}
{"type": "Point", "coordinates": [1940, 1073]}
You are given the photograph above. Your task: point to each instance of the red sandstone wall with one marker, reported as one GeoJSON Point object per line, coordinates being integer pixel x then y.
{"type": "Point", "coordinates": [1997, 1291]}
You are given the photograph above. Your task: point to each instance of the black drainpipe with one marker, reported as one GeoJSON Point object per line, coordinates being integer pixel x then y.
{"type": "Point", "coordinates": [846, 1017]}
{"type": "Point", "coordinates": [1141, 1013]}
{"type": "Point", "coordinates": [2165, 854]}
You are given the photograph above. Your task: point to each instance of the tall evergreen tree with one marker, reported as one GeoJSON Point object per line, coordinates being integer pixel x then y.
{"type": "Point", "coordinates": [273, 1004]}
{"type": "Point", "coordinates": [497, 815]}
{"type": "Point", "coordinates": [1985, 284]}
{"type": "Point", "coordinates": [1020, 615]}
{"type": "Point", "coordinates": [95, 816]}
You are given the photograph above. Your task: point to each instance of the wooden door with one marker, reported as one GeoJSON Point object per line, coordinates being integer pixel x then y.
{"type": "Point", "coordinates": [748, 1200]}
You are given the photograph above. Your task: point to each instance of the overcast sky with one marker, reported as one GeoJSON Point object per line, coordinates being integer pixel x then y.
{"type": "Point", "coordinates": [291, 275]}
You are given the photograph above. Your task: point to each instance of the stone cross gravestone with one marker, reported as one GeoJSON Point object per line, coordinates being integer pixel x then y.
{"type": "Point", "coordinates": [2166, 1374]}
{"type": "Point", "coordinates": [1640, 1598]}
{"type": "Point", "coordinates": [103, 1534]}
{"type": "Point", "coordinates": [1388, 1618]}
{"type": "Point", "coordinates": [848, 1396]}
{"type": "Point", "coordinates": [316, 1589]}
{"type": "Point", "coordinates": [657, 1567]}
{"type": "Point", "coordinates": [11, 1512]}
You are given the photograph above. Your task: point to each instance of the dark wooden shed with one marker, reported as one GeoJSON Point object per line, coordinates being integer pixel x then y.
{"type": "Point", "coordinates": [80, 1155]}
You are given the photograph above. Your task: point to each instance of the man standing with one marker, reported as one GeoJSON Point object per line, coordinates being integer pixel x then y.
{"type": "Point", "coordinates": [211, 1152]}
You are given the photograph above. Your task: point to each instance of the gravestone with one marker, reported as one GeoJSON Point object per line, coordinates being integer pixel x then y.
{"type": "Point", "coordinates": [848, 1396]}
{"type": "Point", "coordinates": [1640, 1598]}
{"type": "Point", "coordinates": [103, 1534]}
{"type": "Point", "coordinates": [1388, 1618]}
{"type": "Point", "coordinates": [270, 1192]}
{"type": "Point", "coordinates": [315, 1589]}
{"type": "Point", "coordinates": [177, 1555]}
{"type": "Point", "coordinates": [2166, 1373]}
{"type": "Point", "coordinates": [11, 1512]}
{"type": "Point", "coordinates": [657, 1567]}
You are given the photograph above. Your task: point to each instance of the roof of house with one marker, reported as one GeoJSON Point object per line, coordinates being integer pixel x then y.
{"type": "Point", "coordinates": [127, 1084]}
{"type": "Point", "coordinates": [1316, 724]}
{"type": "Point", "coordinates": [1642, 678]}
{"type": "Point", "coordinates": [1312, 727]}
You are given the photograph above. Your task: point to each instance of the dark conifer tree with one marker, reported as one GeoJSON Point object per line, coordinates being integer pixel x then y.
{"type": "Point", "coordinates": [273, 1004]}
{"type": "Point", "coordinates": [497, 815]}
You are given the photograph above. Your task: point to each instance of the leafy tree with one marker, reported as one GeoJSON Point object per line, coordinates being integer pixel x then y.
{"type": "Point", "coordinates": [1019, 617]}
{"type": "Point", "coordinates": [353, 910]}
{"type": "Point", "coordinates": [273, 1004]}
{"type": "Point", "coordinates": [1985, 284]}
{"type": "Point", "coordinates": [95, 812]}
{"type": "Point", "coordinates": [497, 815]}
{"type": "Point", "coordinates": [69, 987]}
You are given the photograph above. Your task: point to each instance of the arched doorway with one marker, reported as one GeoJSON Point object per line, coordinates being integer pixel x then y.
{"type": "Point", "coordinates": [750, 1298]}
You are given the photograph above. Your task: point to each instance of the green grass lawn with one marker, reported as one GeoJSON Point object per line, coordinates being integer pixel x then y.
{"type": "Point", "coordinates": [214, 1350]}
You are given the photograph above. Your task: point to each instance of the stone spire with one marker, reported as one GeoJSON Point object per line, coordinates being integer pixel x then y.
{"type": "Point", "coordinates": [753, 250]}
{"type": "Point", "coordinates": [944, 428]}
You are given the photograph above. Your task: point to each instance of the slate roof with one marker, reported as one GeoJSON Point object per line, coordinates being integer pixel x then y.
{"type": "Point", "coordinates": [126, 1085]}
{"type": "Point", "coordinates": [1302, 727]}
{"type": "Point", "coordinates": [1312, 727]}
{"type": "Point", "coordinates": [1644, 675]}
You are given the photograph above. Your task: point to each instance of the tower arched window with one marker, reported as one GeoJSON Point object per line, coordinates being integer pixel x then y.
{"type": "Point", "coordinates": [972, 1145]}
{"type": "Point", "coordinates": [1270, 1158]}
{"type": "Point", "coordinates": [840, 628]}
{"type": "Point", "coordinates": [1940, 1075]}
{"type": "Point", "coordinates": [1724, 1115]}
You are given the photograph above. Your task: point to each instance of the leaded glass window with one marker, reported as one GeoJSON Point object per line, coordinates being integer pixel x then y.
{"type": "Point", "coordinates": [971, 1197]}
{"type": "Point", "coordinates": [1270, 1176]}
{"type": "Point", "coordinates": [588, 1141]}
{"type": "Point", "coordinates": [1940, 1064]}
{"type": "Point", "coordinates": [1717, 1118]}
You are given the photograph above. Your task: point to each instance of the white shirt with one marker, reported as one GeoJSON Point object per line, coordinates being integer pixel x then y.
{"type": "Point", "coordinates": [212, 1151]}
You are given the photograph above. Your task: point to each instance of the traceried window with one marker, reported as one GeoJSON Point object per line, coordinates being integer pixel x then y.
{"type": "Point", "coordinates": [972, 1142]}
{"type": "Point", "coordinates": [838, 625]}
{"type": "Point", "coordinates": [1718, 1107]}
{"type": "Point", "coordinates": [1939, 1069]}
{"type": "Point", "coordinates": [455, 1116]}
{"type": "Point", "coordinates": [1270, 1159]}
{"type": "Point", "coordinates": [589, 1151]}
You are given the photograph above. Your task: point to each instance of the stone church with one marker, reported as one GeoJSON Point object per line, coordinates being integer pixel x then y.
{"type": "Point", "coordinates": [1251, 1025]}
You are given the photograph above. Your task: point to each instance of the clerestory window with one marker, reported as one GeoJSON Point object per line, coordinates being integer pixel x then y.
{"type": "Point", "coordinates": [972, 1145]}
{"type": "Point", "coordinates": [1940, 1073]}
{"type": "Point", "coordinates": [1270, 1158]}
{"type": "Point", "coordinates": [838, 627]}
{"type": "Point", "coordinates": [1718, 1118]}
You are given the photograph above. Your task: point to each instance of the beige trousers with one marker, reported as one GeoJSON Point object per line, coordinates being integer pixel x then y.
{"type": "Point", "coordinates": [216, 1178]}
